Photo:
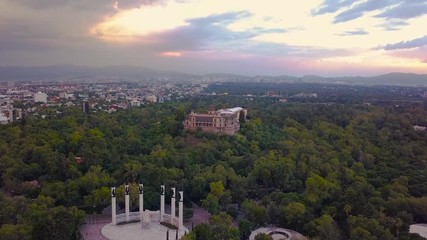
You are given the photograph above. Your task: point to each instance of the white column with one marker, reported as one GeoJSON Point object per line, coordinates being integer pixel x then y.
{"type": "Point", "coordinates": [173, 204]}
{"type": "Point", "coordinates": [127, 202]}
{"type": "Point", "coordinates": [141, 202]}
{"type": "Point", "coordinates": [162, 202]}
{"type": "Point", "coordinates": [181, 209]}
{"type": "Point", "coordinates": [113, 205]}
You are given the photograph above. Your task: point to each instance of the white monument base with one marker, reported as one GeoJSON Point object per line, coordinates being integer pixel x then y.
{"type": "Point", "coordinates": [147, 220]}
{"type": "Point", "coordinates": [133, 231]}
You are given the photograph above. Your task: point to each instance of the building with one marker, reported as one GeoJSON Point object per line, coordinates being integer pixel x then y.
{"type": "Point", "coordinates": [3, 119]}
{"type": "Point", "coordinates": [419, 128]}
{"type": "Point", "coordinates": [63, 95]}
{"type": "Point", "coordinates": [13, 115]}
{"type": "Point", "coordinates": [86, 107]}
{"type": "Point", "coordinates": [306, 95]}
{"type": "Point", "coordinates": [225, 121]}
{"type": "Point", "coordinates": [135, 103]}
{"type": "Point", "coordinates": [151, 98]}
{"type": "Point", "coordinates": [40, 97]}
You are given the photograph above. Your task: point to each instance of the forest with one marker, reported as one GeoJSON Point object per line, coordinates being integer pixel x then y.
{"type": "Point", "coordinates": [330, 171]}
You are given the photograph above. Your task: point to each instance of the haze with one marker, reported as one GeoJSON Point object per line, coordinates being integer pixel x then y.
{"type": "Point", "coordinates": [329, 38]}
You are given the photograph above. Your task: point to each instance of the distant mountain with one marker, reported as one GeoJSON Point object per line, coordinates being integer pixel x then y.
{"type": "Point", "coordinates": [52, 73]}
{"type": "Point", "coordinates": [398, 79]}
{"type": "Point", "coordinates": [67, 72]}
{"type": "Point", "coordinates": [401, 79]}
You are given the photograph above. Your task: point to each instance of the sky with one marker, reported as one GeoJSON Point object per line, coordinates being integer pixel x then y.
{"type": "Point", "coordinates": [274, 37]}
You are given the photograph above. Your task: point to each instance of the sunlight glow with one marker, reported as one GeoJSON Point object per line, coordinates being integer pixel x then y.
{"type": "Point", "coordinates": [170, 54]}
{"type": "Point", "coordinates": [292, 25]}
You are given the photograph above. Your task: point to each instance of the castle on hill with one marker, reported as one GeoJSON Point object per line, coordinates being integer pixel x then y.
{"type": "Point", "coordinates": [226, 121]}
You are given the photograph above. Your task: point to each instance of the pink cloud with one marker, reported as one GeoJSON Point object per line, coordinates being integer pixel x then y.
{"type": "Point", "coordinates": [419, 53]}
{"type": "Point", "coordinates": [170, 54]}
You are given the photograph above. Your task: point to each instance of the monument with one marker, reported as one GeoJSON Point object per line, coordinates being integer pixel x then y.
{"type": "Point", "coordinates": [113, 205]}
{"type": "Point", "coordinates": [162, 202]}
{"type": "Point", "coordinates": [127, 202]}
{"type": "Point", "coordinates": [146, 216]}
{"type": "Point", "coordinates": [141, 202]}
{"type": "Point", "coordinates": [145, 224]}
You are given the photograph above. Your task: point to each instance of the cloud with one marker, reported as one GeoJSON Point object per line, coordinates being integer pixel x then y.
{"type": "Point", "coordinates": [419, 42]}
{"type": "Point", "coordinates": [360, 9]}
{"type": "Point", "coordinates": [88, 5]}
{"type": "Point", "coordinates": [128, 4]}
{"type": "Point", "coordinates": [355, 32]}
{"type": "Point", "coordinates": [331, 6]}
{"type": "Point", "coordinates": [170, 54]}
{"type": "Point", "coordinates": [391, 9]}
{"type": "Point", "coordinates": [393, 25]}
{"type": "Point", "coordinates": [43, 4]}
{"type": "Point", "coordinates": [405, 10]}
{"type": "Point", "coordinates": [201, 34]}
{"type": "Point", "coordinates": [210, 36]}
{"type": "Point", "coordinates": [417, 55]}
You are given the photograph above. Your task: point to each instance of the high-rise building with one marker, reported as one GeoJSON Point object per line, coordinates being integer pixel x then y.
{"type": "Point", "coordinates": [86, 107]}
{"type": "Point", "coordinates": [40, 97]}
{"type": "Point", "coordinates": [12, 115]}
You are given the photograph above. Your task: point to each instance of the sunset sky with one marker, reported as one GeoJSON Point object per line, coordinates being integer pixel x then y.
{"type": "Point", "coordinates": [324, 37]}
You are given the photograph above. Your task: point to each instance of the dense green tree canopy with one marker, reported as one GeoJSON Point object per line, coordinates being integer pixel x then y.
{"type": "Point", "coordinates": [330, 171]}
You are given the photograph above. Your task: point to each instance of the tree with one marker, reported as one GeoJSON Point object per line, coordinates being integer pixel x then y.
{"type": "Point", "coordinates": [202, 231]}
{"type": "Point", "coordinates": [99, 196]}
{"type": "Point", "coordinates": [318, 189]}
{"type": "Point", "coordinates": [217, 189]}
{"type": "Point", "coordinates": [326, 228]}
{"type": "Point", "coordinates": [15, 232]}
{"type": "Point", "coordinates": [368, 228]}
{"type": "Point", "coordinates": [254, 212]}
{"type": "Point", "coordinates": [263, 236]}
{"type": "Point", "coordinates": [211, 203]}
{"type": "Point", "coordinates": [245, 228]}
{"type": "Point", "coordinates": [221, 227]}
{"type": "Point", "coordinates": [294, 214]}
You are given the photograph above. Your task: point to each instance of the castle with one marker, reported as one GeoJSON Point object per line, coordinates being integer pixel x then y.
{"type": "Point", "coordinates": [225, 121]}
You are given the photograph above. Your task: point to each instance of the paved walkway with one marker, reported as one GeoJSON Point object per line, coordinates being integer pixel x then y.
{"type": "Point", "coordinates": [278, 233]}
{"type": "Point", "coordinates": [421, 229]}
{"type": "Point", "coordinates": [91, 230]}
{"type": "Point", "coordinates": [200, 215]}
{"type": "Point", "coordinates": [134, 231]}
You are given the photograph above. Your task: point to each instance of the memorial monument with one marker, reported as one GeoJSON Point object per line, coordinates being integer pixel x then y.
{"type": "Point", "coordinates": [146, 216]}
{"type": "Point", "coordinates": [145, 224]}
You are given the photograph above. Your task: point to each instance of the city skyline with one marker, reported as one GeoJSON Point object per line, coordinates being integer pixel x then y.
{"type": "Point", "coordinates": [329, 38]}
